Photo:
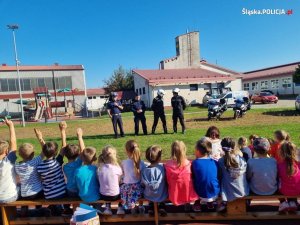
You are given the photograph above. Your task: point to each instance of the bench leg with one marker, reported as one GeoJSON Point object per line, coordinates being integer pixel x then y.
{"type": "Point", "coordinates": [156, 213]}
{"type": "Point", "coordinates": [236, 207]}
{"type": "Point", "coordinates": [7, 213]}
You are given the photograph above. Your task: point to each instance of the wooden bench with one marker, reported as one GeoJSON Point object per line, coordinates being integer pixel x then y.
{"type": "Point", "coordinates": [236, 210]}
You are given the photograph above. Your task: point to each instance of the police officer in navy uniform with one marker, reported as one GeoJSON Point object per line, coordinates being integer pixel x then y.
{"type": "Point", "coordinates": [159, 111]}
{"type": "Point", "coordinates": [178, 104]}
{"type": "Point", "coordinates": [138, 108]}
{"type": "Point", "coordinates": [114, 108]}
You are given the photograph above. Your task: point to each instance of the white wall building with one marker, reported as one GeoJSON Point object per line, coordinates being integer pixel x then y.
{"type": "Point", "coordinates": [278, 79]}
{"type": "Point", "coordinates": [187, 72]}
{"type": "Point", "coordinates": [64, 76]}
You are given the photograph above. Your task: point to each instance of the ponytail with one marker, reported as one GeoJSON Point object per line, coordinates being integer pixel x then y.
{"type": "Point", "coordinates": [288, 153]}
{"type": "Point", "coordinates": [229, 147]}
{"type": "Point", "coordinates": [135, 154]}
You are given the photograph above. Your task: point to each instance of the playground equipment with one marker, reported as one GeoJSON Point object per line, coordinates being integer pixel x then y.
{"type": "Point", "coordinates": [42, 100]}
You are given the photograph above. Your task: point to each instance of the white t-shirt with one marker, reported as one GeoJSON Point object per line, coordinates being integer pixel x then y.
{"type": "Point", "coordinates": [31, 183]}
{"type": "Point", "coordinates": [217, 151]}
{"type": "Point", "coordinates": [109, 176]}
{"type": "Point", "coordinates": [129, 174]}
{"type": "Point", "coordinates": [8, 184]}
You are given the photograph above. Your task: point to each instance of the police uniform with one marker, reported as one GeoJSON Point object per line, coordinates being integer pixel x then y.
{"type": "Point", "coordinates": [139, 105]}
{"type": "Point", "coordinates": [159, 112]}
{"type": "Point", "coordinates": [178, 104]}
{"type": "Point", "coordinates": [116, 117]}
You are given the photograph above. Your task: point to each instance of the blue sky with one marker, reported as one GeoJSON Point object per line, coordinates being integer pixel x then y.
{"type": "Point", "coordinates": [103, 34]}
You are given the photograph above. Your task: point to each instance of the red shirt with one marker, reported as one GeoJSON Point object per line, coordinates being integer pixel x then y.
{"type": "Point", "coordinates": [274, 151]}
{"type": "Point", "coordinates": [289, 185]}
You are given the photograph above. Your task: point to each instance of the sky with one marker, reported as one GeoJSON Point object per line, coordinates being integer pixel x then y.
{"type": "Point", "coordinates": [104, 34]}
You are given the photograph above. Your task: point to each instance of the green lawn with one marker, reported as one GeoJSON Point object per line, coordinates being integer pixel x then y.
{"type": "Point", "coordinates": [98, 132]}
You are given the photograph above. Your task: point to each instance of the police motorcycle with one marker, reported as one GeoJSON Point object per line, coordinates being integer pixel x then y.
{"type": "Point", "coordinates": [241, 107]}
{"type": "Point", "coordinates": [216, 109]}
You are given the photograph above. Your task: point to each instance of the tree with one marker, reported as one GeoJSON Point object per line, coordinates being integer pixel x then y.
{"type": "Point", "coordinates": [296, 75]}
{"type": "Point", "coordinates": [120, 80]}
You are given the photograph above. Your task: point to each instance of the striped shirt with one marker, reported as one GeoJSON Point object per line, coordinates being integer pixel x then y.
{"type": "Point", "coordinates": [53, 181]}
{"type": "Point", "coordinates": [29, 178]}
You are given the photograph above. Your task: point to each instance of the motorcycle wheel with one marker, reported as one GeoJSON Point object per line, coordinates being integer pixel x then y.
{"type": "Point", "coordinates": [235, 116]}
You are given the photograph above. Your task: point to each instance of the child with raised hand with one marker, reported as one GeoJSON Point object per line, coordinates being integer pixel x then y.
{"type": "Point", "coordinates": [205, 175]}
{"type": "Point", "coordinates": [153, 180]}
{"type": "Point", "coordinates": [179, 176]}
{"type": "Point", "coordinates": [280, 136]}
{"type": "Point", "coordinates": [233, 173]}
{"type": "Point", "coordinates": [109, 176]}
{"type": "Point", "coordinates": [213, 134]}
{"type": "Point", "coordinates": [72, 153]}
{"type": "Point", "coordinates": [86, 176]}
{"type": "Point", "coordinates": [30, 182]}
{"type": "Point", "coordinates": [50, 169]}
{"type": "Point", "coordinates": [289, 175]}
{"type": "Point", "coordinates": [8, 188]}
{"type": "Point", "coordinates": [131, 189]}
{"type": "Point", "coordinates": [262, 170]}
{"type": "Point", "coordinates": [242, 145]}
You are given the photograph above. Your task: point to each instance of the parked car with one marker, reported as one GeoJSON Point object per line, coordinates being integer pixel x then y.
{"type": "Point", "coordinates": [297, 103]}
{"type": "Point", "coordinates": [231, 96]}
{"type": "Point", "coordinates": [264, 97]}
{"type": "Point", "coordinates": [268, 91]}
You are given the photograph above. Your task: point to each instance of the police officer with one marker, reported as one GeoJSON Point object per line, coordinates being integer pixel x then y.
{"type": "Point", "coordinates": [114, 108]}
{"type": "Point", "coordinates": [138, 108]}
{"type": "Point", "coordinates": [178, 104]}
{"type": "Point", "coordinates": [159, 112]}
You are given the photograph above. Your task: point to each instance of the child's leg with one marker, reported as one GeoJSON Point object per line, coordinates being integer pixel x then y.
{"type": "Point", "coordinates": [151, 208]}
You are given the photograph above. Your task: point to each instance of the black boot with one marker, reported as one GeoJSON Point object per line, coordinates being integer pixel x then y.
{"type": "Point", "coordinates": [153, 130]}
{"type": "Point", "coordinates": [165, 130]}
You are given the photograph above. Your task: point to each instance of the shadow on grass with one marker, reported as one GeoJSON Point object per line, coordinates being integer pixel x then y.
{"type": "Point", "coordinates": [92, 137]}
{"type": "Point", "coordinates": [206, 119]}
{"type": "Point", "coordinates": [283, 113]}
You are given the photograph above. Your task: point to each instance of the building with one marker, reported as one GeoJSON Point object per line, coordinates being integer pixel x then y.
{"type": "Point", "coordinates": [54, 77]}
{"type": "Point", "coordinates": [186, 71]}
{"type": "Point", "coordinates": [278, 79]}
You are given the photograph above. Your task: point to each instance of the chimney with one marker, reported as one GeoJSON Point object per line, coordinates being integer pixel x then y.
{"type": "Point", "coordinates": [56, 64]}
{"type": "Point", "coordinates": [4, 64]}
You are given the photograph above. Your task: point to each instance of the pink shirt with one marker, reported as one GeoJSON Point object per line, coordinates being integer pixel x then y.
{"type": "Point", "coordinates": [289, 185]}
{"type": "Point", "coordinates": [109, 176]}
{"type": "Point", "coordinates": [180, 183]}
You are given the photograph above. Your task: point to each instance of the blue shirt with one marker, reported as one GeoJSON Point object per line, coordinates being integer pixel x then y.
{"type": "Point", "coordinates": [87, 183]}
{"type": "Point", "coordinates": [137, 105]}
{"type": "Point", "coordinates": [114, 109]}
{"type": "Point", "coordinates": [205, 177]}
{"type": "Point", "coordinates": [69, 170]}
{"type": "Point", "coordinates": [155, 183]}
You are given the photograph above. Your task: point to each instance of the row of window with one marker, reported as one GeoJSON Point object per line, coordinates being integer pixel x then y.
{"type": "Point", "coordinates": [265, 84]}
{"type": "Point", "coordinates": [140, 91]}
{"type": "Point", "coordinates": [28, 84]}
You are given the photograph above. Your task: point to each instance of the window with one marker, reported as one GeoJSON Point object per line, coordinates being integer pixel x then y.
{"type": "Point", "coordinates": [246, 86]}
{"type": "Point", "coordinates": [49, 83]}
{"type": "Point", "coordinates": [25, 84]}
{"type": "Point", "coordinates": [193, 87]}
{"type": "Point", "coordinates": [12, 85]}
{"type": "Point", "coordinates": [254, 86]}
{"type": "Point", "coordinates": [140, 90]}
{"type": "Point", "coordinates": [144, 90]}
{"type": "Point", "coordinates": [206, 86]}
{"type": "Point", "coordinates": [228, 96]}
{"type": "Point", "coordinates": [264, 85]}
{"type": "Point", "coordinates": [41, 82]}
{"type": "Point", "coordinates": [274, 84]}
{"type": "Point", "coordinates": [137, 90]}
{"type": "Point", "coordinates": [287, 82]}
{"type": "Point", "coordinates": [4, 85]}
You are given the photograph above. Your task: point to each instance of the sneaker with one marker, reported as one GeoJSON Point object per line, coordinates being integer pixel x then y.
{"type": "Point", "coordinates": [210, 205]}
{"type": "Point", "coordinates": [293, 206]}
{"type": "Point", "coordinates": [283, 207]}
{"type": "Point", "coordinates": [67, 212]}
{"type": "Point", "coordinates": [221, 207]}
{"type": "Point", "coordinates": [197, 206]}
{"type": "Point", "coordinates": [162, 212]}
{"type": "Point", "coordinates": [120, 211]}
{"type": "Point", "coordinates": [107, 212]}
{"type": "Point", "coordinates": [141, 209]}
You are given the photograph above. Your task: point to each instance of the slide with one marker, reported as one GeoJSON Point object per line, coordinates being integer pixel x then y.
{"type": "Point", "coordinates": [39, 113]}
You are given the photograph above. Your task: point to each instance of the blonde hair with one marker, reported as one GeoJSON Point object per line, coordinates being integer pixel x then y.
{"type": "Point", "coordinates": [3, 146]}
{"type": "Point", "coordinates": [108, 156]}
{"type": "Point", "coordinates": [242, 142]}
{"type": "Point", "coordinates": [134, 153]}
{"type": "Point", "coordinates": [178, 152]}
{"type": "Point", "coordinates": [229, 147]}
{"type": "Point", "coordinates": [288, 152]}
{"type": "Point", "coordinates": [282, 135]}
{"type": "Point", "coordinates": [153, 154]}
{"type": "Point", "coordinates": [88, 155]}
{"type": "Point", "coordinates": [26, 151]}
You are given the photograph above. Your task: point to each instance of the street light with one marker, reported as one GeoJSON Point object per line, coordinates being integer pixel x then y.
{"type": "Point", "coordinates": [14, 27]}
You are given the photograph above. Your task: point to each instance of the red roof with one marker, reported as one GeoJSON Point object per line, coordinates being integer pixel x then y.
{"type": "Point", "coordinates": [198, 75]}
{"type": "Point", "coordinates": [286, 69]}
{"type": "Point", "coordinates": [42, 68]}
{"type": "Point", "coordinates": [95, 91]}
{"type": "Point", "coordinates": [204, 62]}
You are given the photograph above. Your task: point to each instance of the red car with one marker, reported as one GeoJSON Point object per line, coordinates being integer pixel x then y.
{"type": "Point", "coordinates": [264, 97]}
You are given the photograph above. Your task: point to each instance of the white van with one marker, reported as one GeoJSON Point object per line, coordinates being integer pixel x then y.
{"type": "Point", "coordinates": [231, 96]}
{"type": "Point", "coordinates": [95, 103]}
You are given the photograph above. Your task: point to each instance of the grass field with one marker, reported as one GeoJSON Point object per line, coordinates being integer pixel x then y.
{"type": "Point", "coordinates": [98, 131]}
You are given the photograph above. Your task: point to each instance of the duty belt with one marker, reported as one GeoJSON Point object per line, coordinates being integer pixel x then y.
{"type": "Point", "coordinates": [117, 114]}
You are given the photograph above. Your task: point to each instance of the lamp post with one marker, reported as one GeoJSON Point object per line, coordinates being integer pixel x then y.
{"type": "Point", "coordinates": [14, 27]}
